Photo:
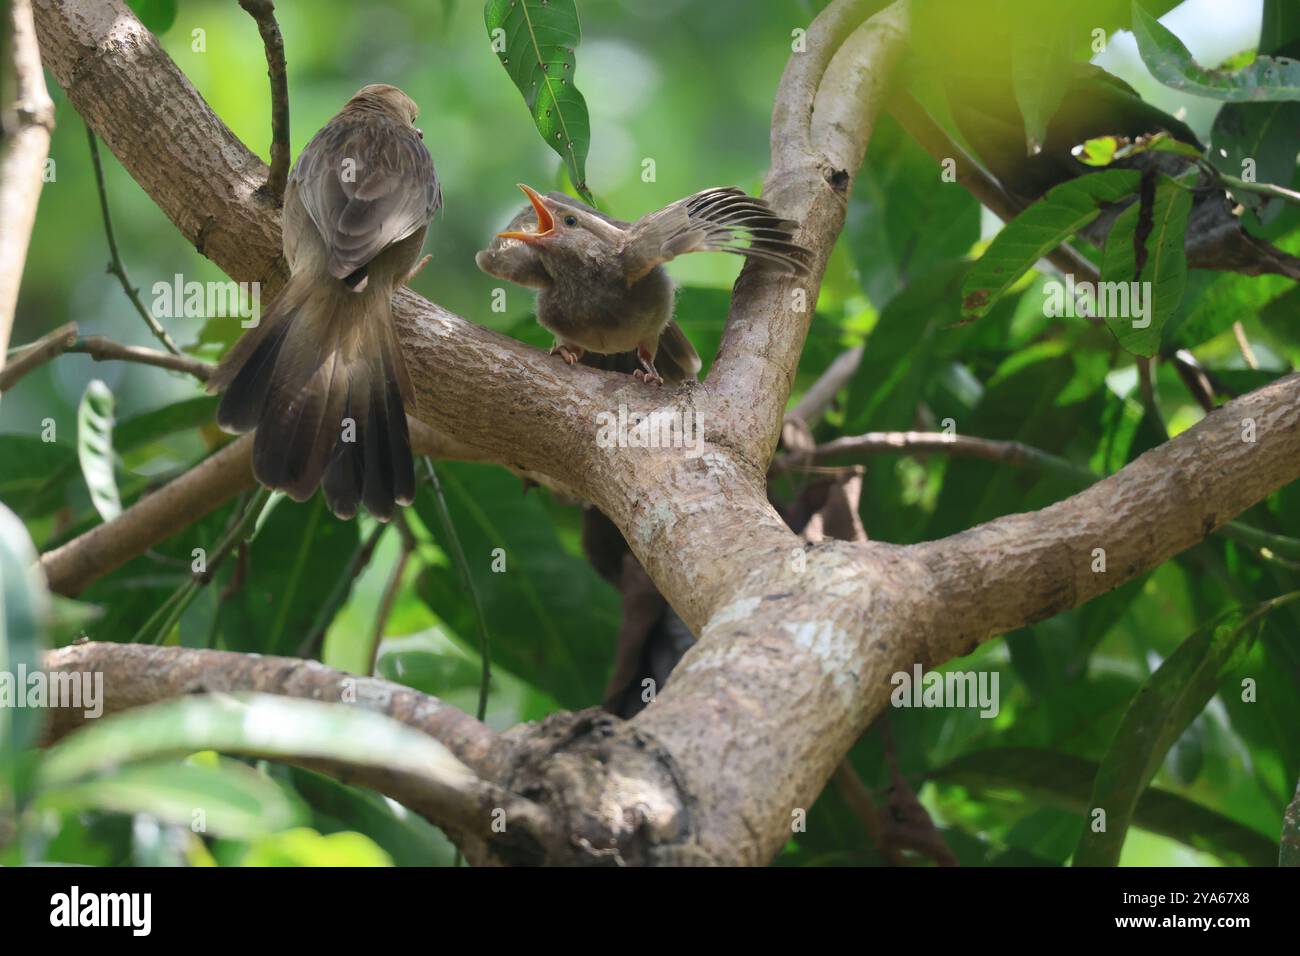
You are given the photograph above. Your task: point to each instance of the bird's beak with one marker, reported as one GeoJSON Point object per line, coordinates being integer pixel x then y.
{"type": "Point", "coordinates": [545, 221]}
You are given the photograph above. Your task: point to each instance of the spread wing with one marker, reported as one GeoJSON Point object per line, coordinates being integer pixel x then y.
{"type": "Point", "coordinates": [366, 182]}
{"type": "Point", "coordinates": [722, 219]}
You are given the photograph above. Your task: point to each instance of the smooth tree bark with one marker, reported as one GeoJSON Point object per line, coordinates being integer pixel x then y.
{"type": "Point", "coordinates": [797, 641]}
{"type": "Point", "coordinates": [22, 164]}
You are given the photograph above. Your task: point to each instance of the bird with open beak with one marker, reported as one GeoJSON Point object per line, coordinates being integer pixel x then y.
{"type": "Point", "coordinates": [603, 288]}
{"type": "Point", "coordinates": [321, 377]}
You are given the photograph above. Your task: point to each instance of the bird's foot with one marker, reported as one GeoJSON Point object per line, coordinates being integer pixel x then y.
{"type": "Point", "coordinates": [570, 353]}
{"type": "Point", "coordinates": [650, 378]}
{"type": "Point", "coordinates": [647, 372]}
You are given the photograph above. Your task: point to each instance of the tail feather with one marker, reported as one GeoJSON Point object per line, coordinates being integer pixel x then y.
{"type": "Point", "coordinates": [389, 477]}
{"type": "Point", "coordinates": [345, 473]}
{"type": "Point", "coordinates": [323, 386]}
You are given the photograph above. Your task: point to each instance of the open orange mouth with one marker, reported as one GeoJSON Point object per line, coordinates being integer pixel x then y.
{"type": "Point", "coordinates": [545, 221]}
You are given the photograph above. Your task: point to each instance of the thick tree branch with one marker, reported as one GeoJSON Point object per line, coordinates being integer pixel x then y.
{"type": "Point", "coordinates": [824, 115]}
{"type": "Point", "coordinates": [139, 674]}
{"type": "Point", "coordinates": [22, 166]}
{"type": "Point", "coordinates": [797, 642]}
{"type": "Point", "coordinates": [1023, 568]}
{"type": "Point", "coordinates": [136, 675]}
{"type": "Point", "coordinates": [76, 564]}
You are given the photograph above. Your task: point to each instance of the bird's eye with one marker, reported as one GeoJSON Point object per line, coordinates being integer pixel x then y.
{"type": "Point", "coordinates": [570, 220]}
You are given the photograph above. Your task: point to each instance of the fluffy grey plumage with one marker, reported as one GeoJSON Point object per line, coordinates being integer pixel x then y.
{"type": "Point", "coordinates": [321, 378]}
{"type": "Point", "coordinates": [603, 286]}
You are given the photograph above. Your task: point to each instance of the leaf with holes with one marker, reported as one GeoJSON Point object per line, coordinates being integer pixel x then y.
{"type": "Point", "coordinates": [535, 40]}
{"type": "Point", "coordinates": [95, 448]}
{"type": "Point", "coordinates": [1268, 79]}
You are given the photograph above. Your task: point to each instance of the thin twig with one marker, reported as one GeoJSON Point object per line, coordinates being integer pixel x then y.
{"type": "Point", "coordinates": [859, 447]}
{"type": "Point", "coordinates": [822, 392]}
{"type": "Point", "coordinates": [263, 12]}
{"type": "Point", "coordinates": [164, 619]}
{"type": "Point", "coordinates": [1243, 343]}
{"type": "Point", "coordinates": [115, 266]}
{"type": "Point", "coordinates": [1195, 379]}
{"type": "Point", "coordinates": [1263, 189]}
{"type": "Point", "coordinates": [37, 354]}
{"type": "Point", "coordinates": [365, 550]}
{"type": "Point", "coordinates": [964, 446]}
{"type": "Point", "coordinates": [103, 350]}
{"type": "Point", "coordinates": [1147, 390]}
{"type": "Point", "coordinates": [66, 340]}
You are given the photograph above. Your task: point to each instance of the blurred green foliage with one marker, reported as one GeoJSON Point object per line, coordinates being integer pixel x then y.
{"type": "Point", "coordinates": [686, 88]}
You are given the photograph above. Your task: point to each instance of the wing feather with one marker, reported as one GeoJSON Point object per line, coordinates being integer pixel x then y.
{"type": "Point", "coordinates": [722, 219]}
{"type": "Point", "coordinates": [366, 182]}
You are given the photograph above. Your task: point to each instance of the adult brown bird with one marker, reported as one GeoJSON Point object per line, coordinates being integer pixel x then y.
{"type": "Point", "coordinates": [321, 377]}
{"type": "Point", "coordinates": [603, 286]}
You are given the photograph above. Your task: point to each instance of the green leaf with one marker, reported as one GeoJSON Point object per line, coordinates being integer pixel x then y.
{"type": "Point", "coordinates": [297, 547]}
{"type": "Point", "coordinates": [1038, 230]}
{"type": "Point", "coordinates": [1163, 276]}
{"type": "Point", "coordinates": [1040, 60]}
{"type": "Point", "coordinates": [304, 847]}
{"type": "Point", "coordinates": [405, 836]}
{"type": "Point", "coordinates": [150, 426]}
{"type": "Point", "coordinates": [24, 609]}
{"type": "Point", "coordinates": [33, 473]}
{"type": "Point", "coordinates": [1098, 152]}
{"type": "Point", "coordinates": [1062, 780]}
{"type": "Point", "coordinates": [1268, 79]}
{"type": "Point", "coordinates": [1257, 142]}
{"type": "Point", "coordinates": [229, 800]}
{"type": "Point", "coordinates": [95, 448]}
{"type": "Point", "coordinates": [1229, 298]}
{"type": "Point", "coordinates": [535, 44]}
{"type": "Point", "coordinates": [157, 15]}
{"type": "Point", "coordinates": [1162, 710]}
{"type": "Point", "coordinates": [903, 218]}
{"type": "Point", "coordinates": [1279, 26]}
{"type": "Point", "coordinates": [552, 619]}
{"type": "Point", "coordinates": [251, 724]}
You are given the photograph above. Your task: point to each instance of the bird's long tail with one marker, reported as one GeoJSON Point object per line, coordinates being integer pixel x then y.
{"type": "Point", "coordinates": [321, 379]}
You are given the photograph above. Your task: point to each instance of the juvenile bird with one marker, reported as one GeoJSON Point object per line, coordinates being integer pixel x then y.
{"type": "Point", "coordinates": [603, 286]}
{"type": "Point", "coordinates": [321, 377]}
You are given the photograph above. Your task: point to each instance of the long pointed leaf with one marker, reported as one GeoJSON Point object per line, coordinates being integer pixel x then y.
{"type": "Point", "coordinates": [1038, 230]}
{"type": "Point", "coordinates": [539, 37]}
{"type": "Point", "coordinates": [1161, 711]}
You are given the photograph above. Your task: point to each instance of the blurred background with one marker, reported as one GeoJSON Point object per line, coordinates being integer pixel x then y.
{"type": "Point", "coordinates": [687, 84]}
